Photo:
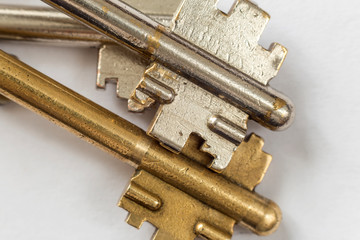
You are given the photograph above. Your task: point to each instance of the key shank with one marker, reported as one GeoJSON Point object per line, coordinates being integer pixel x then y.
{"type": "Point", "coordinates": [41, 24]}
{"type": "Point", "coordinates": [44, 24]}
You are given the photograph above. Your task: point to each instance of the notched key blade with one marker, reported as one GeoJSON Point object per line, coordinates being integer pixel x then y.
{"type": "Point", "coordinates": [185, 109]}
{"type": "Point", "coordinates": [121, 65]}
{"type": "Point", "coordinates": [175, 214]}
{"type": "Point", "coordinates": [249, 163]}
{"type": "Point", "coordinates": [233, 38]}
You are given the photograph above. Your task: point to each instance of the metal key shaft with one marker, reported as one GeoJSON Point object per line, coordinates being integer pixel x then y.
{"type": "Point", "coordinates": [126, 25]}
{"type": "Point", "coordinates": [34, 90]}
{"type": "Point", "coordinates": [41, 24]}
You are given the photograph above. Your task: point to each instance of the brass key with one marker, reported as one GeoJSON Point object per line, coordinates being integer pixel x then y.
{"type": "Point", "coordinates": [166, 187]}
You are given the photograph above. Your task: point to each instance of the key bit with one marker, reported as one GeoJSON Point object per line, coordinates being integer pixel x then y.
{"type": "Point", "coordinates": [166, 186]}
{"type": "Point", "coordinates": [232, 37]}
{"type": "Point", "coordinates": [193, 110]}
{"type": "Point", "coordinates": [249, 163]}
{"type": "Point", "coordinates": [202, 24]}
{"type": "Point", "coordinates": [150, 199]}
{"type": "Point", "coordinates": [121, 65]}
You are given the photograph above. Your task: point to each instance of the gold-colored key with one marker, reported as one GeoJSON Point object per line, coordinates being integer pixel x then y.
{"type": "Point", "coordinates": [180, 196]}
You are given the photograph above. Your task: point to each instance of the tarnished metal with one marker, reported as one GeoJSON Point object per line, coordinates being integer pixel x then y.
{"type": "Point", "coordinates": [204, 56]}
{"type": "Point", "coordinates": [220, 202]}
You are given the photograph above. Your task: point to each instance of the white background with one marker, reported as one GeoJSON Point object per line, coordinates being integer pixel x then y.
{"type": "Point", "coordinates": [55, 186]}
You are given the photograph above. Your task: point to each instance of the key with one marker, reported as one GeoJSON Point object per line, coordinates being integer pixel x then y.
{"type": "Point", "coordinates": [206, 71]}
{"type": "Point", "coordinates": [166, 186]}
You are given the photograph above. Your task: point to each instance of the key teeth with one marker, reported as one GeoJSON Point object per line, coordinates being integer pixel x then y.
{"type": "Point", "coordinates": [249, 163]}
{"type": "Point", "coordinates": [119, 65]}
{"type": "Point", "coordinates": [216, 164]}
{"type": "Point", "coordinates": [197, 20]}
{"type": "Point", "coordinates": [279, 52]}
{"type": "Point", "coordinates": [224, 128]}
{"type": "Point", "coordinates": [135, 220]}
{"type": "Point", "coordinates": [220, 124]}
{"type": "Point", "coordinates": [101, 82]}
